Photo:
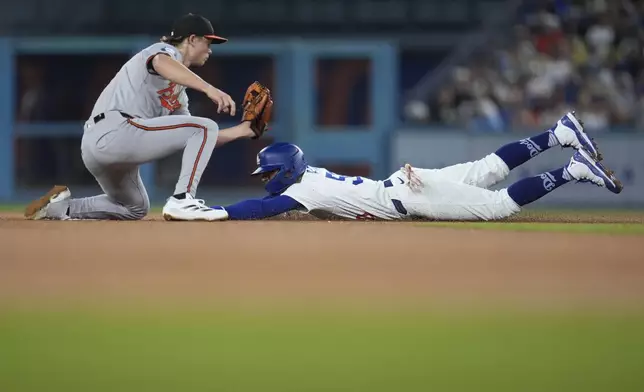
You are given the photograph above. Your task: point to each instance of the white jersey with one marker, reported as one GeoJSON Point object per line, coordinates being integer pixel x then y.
{"type": "Point", "coordinates": [458, 192]}
{"type": "Point", "coordinates": [326, 194]}
{"type": "Point", "coordinates": [139, 92]}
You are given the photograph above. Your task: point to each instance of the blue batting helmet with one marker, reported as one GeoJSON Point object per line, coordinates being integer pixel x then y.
{"type": "Point", "coordinates": [287, 159]}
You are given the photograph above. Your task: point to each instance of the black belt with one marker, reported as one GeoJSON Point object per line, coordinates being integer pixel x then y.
{"type": "Point", "coordinates": [100, 117]}
{"type": "Point", "coordinates": [397, 203]}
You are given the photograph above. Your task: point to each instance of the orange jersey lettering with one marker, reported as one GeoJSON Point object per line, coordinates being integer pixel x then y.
{"type": "Point", "coordinates": [169, 97]}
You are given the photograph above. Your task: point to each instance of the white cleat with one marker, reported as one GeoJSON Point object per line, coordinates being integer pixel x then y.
{"type": "Point", "coordinates": [569, 131]}
{"type": "Point", "coordinates": [191, 209]}
{"type": "Point", "coordinates": [584, 168]}
{"type": "Point", "coordinates": [37, 209]}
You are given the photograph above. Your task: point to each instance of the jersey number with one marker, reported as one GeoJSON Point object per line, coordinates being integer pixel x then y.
{"type": "Point", "coordinates": [333, 176]}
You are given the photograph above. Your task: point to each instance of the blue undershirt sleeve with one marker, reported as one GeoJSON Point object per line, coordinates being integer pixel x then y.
{"type": "Point", "coordinates": [267, 207]}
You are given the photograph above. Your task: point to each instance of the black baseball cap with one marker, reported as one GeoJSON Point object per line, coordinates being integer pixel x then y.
{"type": "Point", "coordinates": [191, 24]}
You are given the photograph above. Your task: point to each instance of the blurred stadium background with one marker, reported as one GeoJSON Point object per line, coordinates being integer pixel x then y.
{"type": "Point", "coordinates": [362, 86]}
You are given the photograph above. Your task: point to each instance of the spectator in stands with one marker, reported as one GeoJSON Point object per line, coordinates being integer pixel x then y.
{"type": "Point", "coordinates": [586, 55]}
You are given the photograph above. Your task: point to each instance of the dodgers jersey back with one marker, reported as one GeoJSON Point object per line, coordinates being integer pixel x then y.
{"type": "Point", "coordinates": [324, 193]}
{"type": "Point", "coordinates": [141, 93]}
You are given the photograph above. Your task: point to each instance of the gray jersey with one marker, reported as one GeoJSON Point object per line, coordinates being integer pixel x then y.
{"type": "Point", "coordinates": [140, 92]}
{"type": "Point", "coordinates": [113, 147]}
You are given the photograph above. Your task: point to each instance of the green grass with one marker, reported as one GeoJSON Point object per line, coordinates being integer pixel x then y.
{"type": "Point", "coordinates": [11, 207]}
{"type": "Point", "coordinates": [320, 351]}
{"type": "Point", "coordinates": [597, 228]}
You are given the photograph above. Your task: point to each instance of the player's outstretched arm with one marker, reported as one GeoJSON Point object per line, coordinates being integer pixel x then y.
{"type": "Point", "coordinates": [254, 209]}
{"type": "Point", "coordinates": [176, 72]}
{"type": "Point", "coordinates": [240, 131]}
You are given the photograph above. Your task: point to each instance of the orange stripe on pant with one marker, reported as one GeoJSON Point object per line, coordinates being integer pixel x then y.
{"type": "Point", "coordinates": [177, 126]}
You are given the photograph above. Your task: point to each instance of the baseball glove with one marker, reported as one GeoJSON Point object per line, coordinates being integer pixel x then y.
{"type": "Point", "coordinates": [258, 107]}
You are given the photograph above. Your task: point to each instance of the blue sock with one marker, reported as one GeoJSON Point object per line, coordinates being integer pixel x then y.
{"type": "Point", "coordinates": [527, 190]}
{"type": "Point", "coordinates": [519, 152]}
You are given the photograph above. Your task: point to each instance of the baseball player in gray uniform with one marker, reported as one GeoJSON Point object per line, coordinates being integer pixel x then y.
{"type": "Point", "coordinates": [141, 116]}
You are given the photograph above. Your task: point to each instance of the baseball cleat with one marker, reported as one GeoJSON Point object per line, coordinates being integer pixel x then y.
{"type": "Point", "coordinates": [37, 209]}
{"type": "Point", "coordinates": [190, 209]}
{"type": "Point", "coordinates": [584, 168]}
{"type": "Point", "coordinates": [569, 131]}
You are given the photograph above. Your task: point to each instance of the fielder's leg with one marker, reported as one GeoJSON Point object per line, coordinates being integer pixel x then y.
{"type": "Point", "coordinates": [151, 139]}
{"type": "Point", "coordinates": [125, 198]}
{"type": "Point", "coordinates": [197, 136]}
{"type": "Point", "coordinates": [112, 151]}
{"type": "Point", "coordinates": [156, 138]}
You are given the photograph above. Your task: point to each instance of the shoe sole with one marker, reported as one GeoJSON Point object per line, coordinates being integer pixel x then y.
{"type": "Point", "coordinates": [171, 218]}
{"type": "Point", "coordinates": [587, 143]}
{"type": "Point", "coordinates": [37, 205]}
{"type": "Point", "coordinates": [601, 171]}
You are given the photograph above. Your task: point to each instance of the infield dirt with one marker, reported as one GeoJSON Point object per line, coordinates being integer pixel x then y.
{"type": "Point", "coordinates": [376, 263]}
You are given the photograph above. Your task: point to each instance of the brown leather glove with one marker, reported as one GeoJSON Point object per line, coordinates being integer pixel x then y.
{"type": "Point", "coordinates": [258, 107]}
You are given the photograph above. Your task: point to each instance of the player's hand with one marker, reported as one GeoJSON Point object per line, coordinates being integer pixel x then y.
{"type": "Point", "coordinates": [413, 180]}
{"type": "Point", "coordinates": [224, 102]}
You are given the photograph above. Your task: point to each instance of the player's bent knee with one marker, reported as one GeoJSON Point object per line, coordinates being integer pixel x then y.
{"type": "Point", "coordinates": [213, 126]}
{"type": "Point", "coordinates": [210, 125]}
{"type": "Point", "coordinates": [207, 128]}
{"type": "Point", "coordinates": [138, 212]}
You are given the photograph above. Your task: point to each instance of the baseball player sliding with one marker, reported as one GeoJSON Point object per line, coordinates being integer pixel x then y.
{"type": "Point", "coordinates": [458, 192]}
{"type": "Point", "coordinates": [141, 116]}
